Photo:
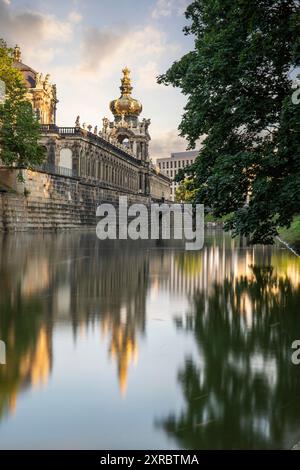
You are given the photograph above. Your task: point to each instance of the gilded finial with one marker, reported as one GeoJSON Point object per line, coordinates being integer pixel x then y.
{"type": "Point", "coordinates": [126, 71]}
{"type": "Point", "coordinates": [17, 53]}
{"type": "Point", "coordinates": [126, 87]}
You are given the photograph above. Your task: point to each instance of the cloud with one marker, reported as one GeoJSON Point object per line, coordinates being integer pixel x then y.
{"type": "Point", "coordinates": [162, 8]}
{"type": "Point", "coordinates": [166, 142]}
{"type": "Point", "coordinates": [98, 46]}
{"type": "Point", "coordinates": [38, 34]}
{"type": "Point", "coordinates": [93, 70]}
{"type": "Point", "coordinates": [85, 62]}
{"type": "Point", "coordinates": [165, 8]}
{"type": "Point", "coordinates": [105, 50]}
{"type": "Point", "coordinates": [75, 17]}
{"type": "Point", "coordinates": [147, 76]}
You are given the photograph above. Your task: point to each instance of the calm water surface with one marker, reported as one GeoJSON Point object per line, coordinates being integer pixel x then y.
{"type": "Point", "coordinates": [119, 345]}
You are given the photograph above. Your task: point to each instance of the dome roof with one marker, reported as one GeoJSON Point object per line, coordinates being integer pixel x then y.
{"type": "Point", "coordinates": [28, 73]}
{"type": "Point", "coordinates": [126, 105]}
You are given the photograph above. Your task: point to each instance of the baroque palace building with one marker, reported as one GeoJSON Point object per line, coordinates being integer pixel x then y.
{"type": "Point", "coordinates": [115, 157]}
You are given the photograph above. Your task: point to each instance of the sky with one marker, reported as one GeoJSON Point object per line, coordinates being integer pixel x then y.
{"type": "Point", "coordinates": [84, 45]}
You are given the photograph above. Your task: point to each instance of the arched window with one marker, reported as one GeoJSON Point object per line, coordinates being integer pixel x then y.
{"type": "Point", "coordinates": [123, 139]}
{"type": "Point", "coordinates": [65, 158]}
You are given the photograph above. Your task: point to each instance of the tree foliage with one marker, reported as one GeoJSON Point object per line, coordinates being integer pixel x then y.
{"type": "Point", "coordinates": [238, 86]}
{"type": "Point", "coordinates": [185, 192]}
{"type": "Point", "coordinates": [19, 128]}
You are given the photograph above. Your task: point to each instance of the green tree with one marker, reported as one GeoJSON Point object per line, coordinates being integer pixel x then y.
{"type": "Point", "coordinates": [185, 191]}
{"type": "Point", "coordinates": [19, 128]}
{"type": "Point", "coordinates": [238, 86]}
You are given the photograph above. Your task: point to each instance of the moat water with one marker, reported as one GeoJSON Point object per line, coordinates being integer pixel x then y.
{"type": "Point", "coordinates": [115, 345]}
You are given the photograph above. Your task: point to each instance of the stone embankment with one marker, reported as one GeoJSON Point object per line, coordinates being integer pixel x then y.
{"type": "Point", "coordinates": [50, 202]}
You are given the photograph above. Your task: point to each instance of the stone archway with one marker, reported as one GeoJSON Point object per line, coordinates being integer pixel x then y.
{"type": "Point", "coordinates": [65, 158]}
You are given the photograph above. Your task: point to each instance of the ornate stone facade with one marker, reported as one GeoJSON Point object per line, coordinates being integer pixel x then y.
{"type": "Point", "coordinates": [113, 160]}
{"type": "Point", "coordinates": [116, 157]}
{"type": "Point", "coordinates": [74, 151]}
{"type": "Point", "coordinates": [126, 127]}
{"type": "Point", "coordinates": [40, 91]}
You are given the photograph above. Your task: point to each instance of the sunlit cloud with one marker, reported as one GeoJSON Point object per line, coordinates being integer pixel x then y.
{"type": "Point", "coordinates": [105, 49]}
{"type": "Point", "coordinates": [75, 16]}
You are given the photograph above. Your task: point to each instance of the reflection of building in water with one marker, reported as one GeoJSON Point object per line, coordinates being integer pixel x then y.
{"type": "Point", "coordinates": [24, 322]}
{"type": "Point", "coordinates": [75, 279]}
{"type": "Point", "coordinates": [122, 307]}
{"type": "Point", "coordinates": [35, 277]}
{"type": "Point", "coordinates": [37, 364]}
{"type": "Point", "coordinates": [123, 347]}
{"type": "Point", "coordinates": [27, 368]}
{"type": "Point", "coordinates": [107, 286]}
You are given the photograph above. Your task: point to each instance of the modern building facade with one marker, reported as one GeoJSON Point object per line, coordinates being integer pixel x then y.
{"type": "Point", "coordinates": [171, 165]}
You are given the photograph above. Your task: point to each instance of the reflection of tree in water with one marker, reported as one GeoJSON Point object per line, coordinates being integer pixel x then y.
{"type": "Point", "coordinates": [190, 263]}
{"type": "Point", "coordinates": [244, 391]}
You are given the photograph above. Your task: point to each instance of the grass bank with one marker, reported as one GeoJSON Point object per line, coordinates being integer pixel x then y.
{"type": "Point", "coordinates": [292, 235]}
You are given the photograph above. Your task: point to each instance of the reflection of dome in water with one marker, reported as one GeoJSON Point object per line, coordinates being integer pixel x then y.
{"type": "Point", "coordinates": [126, 105]}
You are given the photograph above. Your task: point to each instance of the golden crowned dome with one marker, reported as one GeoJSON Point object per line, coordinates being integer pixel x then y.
{"type": "Point", "coordinates": [126, 105]}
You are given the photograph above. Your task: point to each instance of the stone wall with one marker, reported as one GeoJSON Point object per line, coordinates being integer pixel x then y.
{"type": "Point", "coordinates": [48, 202]}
